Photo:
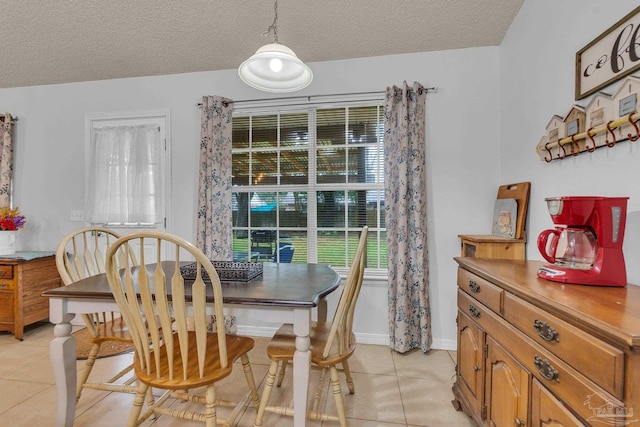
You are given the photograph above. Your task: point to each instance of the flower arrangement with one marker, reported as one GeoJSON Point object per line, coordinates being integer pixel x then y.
{"type": "Point", "coordinates": [11, 219]}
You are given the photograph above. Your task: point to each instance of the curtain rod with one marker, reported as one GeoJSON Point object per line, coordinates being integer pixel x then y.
{"type": "Point", "coordinates": [426, 89]}
{"type": "Point", "coordinates": [13, 118]}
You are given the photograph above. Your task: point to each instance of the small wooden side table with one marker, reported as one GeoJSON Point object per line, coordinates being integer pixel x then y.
{"type": "Point", "coordinates": [24, 276]}
{"type": "Point", "coordinates": [496, 245]}
{"type": "Point", "coordinates": [490, 246]}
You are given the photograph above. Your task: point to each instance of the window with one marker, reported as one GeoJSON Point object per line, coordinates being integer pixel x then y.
{"type": "Point", "coordinates": [309, 180]}
{"type": "Point", "coordinates": [126, 158]}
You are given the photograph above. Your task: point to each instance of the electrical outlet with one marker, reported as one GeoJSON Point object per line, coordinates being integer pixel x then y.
{"type": "Point", "coordinates": [77, 216]}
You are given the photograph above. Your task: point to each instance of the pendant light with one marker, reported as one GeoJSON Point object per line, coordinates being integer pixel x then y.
{"type": "Point", "coordinates": [274, 67]}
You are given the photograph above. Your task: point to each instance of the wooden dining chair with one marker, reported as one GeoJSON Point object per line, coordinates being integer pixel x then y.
{"type": "Point", "coordinates": [81, 254]}
{"type": "Point", "coordinates": [167, 312]}
{"type": "Point", "coordinates": [332, 343]}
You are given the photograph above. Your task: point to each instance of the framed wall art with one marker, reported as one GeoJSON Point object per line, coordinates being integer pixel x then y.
{"type": "Point", "coordinates": [611, 56]}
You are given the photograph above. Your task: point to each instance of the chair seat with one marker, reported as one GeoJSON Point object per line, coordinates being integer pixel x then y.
{"type": "Point", "coordinates": [283, 345]}
{"type": "Point", "coordinates": [236, 347]}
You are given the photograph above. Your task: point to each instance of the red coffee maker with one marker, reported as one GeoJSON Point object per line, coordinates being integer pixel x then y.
{"type": "Point", "coordinates": [586, 246]}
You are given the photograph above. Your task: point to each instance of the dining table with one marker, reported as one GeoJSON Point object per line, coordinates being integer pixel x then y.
{"type": "Point", "coordinates": [283, 293]}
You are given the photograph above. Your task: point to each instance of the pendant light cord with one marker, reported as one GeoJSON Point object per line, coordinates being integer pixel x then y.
{"type": "Point", "coordinates": [273, 27]}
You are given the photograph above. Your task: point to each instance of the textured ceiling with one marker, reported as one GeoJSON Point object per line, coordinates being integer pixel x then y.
{"type": "Point", "coordinates": [59, 41]}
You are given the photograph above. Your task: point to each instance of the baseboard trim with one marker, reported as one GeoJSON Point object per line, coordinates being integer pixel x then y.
{"type": "Point", "coordinates": [443, 344]}
{"type": "Point", "coordinates": [375, 339]}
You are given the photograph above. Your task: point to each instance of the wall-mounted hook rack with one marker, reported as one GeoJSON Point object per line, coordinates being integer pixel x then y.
{"type": "Point", "coordinates": [584, 141]}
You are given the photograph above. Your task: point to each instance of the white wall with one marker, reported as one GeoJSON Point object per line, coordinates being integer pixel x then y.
{"type": "Point", "coordinates": [537, 66]}
{"type": "Point", "coordinates": [462, 146]}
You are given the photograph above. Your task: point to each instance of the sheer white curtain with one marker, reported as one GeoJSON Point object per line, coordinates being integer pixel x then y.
{"type": "Point", "coordinates": [124, 178]}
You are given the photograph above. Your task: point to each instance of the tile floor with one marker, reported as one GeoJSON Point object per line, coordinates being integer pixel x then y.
{"type": "Point", "coordinates": [391, 389]}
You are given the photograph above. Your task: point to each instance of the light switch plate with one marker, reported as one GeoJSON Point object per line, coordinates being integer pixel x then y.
{"type": "Point", "coordinates": [77, 216]}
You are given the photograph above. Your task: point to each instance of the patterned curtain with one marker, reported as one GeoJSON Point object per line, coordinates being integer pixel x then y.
{"type": "Point", "coordinates": [214, 234]}
{"type": "Point", "coordinates": [406, 217]}
{"type": "Point", "coordinates": [6, 159]}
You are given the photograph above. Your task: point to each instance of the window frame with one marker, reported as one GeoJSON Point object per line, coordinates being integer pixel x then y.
{"type": "Point", "coordinates": [295, 105]}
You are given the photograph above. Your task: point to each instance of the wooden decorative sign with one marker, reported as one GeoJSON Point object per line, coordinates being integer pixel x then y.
{"type": "Point", "coordinates": [611, 56]}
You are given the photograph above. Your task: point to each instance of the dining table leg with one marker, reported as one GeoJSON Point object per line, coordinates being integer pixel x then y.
{"type": "Point", "coordinates": [322, 310]}
{"type": "Point", "coordinates": [301, 365]}
{"type": "Point", "coordinates": [63, 360]}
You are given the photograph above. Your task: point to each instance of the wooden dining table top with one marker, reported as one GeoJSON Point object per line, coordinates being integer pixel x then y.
{"type": "Point", "coordinates": [280, 285]}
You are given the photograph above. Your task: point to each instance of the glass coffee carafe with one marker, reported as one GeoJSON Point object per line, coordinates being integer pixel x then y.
{"type": "Point", "coordinates": [569, 247]}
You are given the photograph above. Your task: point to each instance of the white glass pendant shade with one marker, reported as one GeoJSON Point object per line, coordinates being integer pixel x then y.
{"type": "Point", "coordinates": [275, 68]}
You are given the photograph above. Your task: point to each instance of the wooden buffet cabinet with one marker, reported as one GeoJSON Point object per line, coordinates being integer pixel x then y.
{"type": "Point", "coordinates": [23, 278]}
{"type": "Point", "coordinates": [537, 353]}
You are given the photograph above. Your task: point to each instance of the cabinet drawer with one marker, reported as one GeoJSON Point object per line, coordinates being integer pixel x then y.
{"type": "Point", "coordinates": [598, 360]}
{"type": "Point", "coordinates": [472, 308]}
{"type": "Point", "coordinates": [569, 385]}
{"type": "Point", "coordinates": [480, 289]}
{"type": "Point", "coordinates": [7, 285]}
{"type": "Point", "coordinates": [6, 272]}
{"type": "Point", "coordinates": [6, 277]}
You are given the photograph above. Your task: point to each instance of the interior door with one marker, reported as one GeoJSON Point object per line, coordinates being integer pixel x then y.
{"type": "Point", "coordinates": [157, 166]}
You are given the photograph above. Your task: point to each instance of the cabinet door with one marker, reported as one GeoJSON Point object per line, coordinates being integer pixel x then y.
{"type": "Point", "coordinates": [507, 389]}
{"type": "Point", "coordinates": [547, 411]}
{"type": "Point", "coordinates": [471, 361]}
{"type": "Point", "coordinates": [7, 309]}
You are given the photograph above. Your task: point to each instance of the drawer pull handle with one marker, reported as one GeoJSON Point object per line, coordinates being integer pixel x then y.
{"type": "Point", "coordinates": [3, 285]}
{"type": "Point", "coordinates": [519, 422]}
{"type": "Point", "coordinates": [476, 368]}
{"type": "Point", "coordinates": [2, 272]}
{"type": "Point", "coordinates": [475, 288]}
{"type": "Point", "coordinates": [545, 331]}
{"type": "Point", "coordinates": [545, 369]}
{"type": "Point", "coordinates": [475, 312]}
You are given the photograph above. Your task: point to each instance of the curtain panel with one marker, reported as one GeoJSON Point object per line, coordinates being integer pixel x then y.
{"type": "Point", "coordinates": [6, 159]}
{"type": "Point", "coordinates": [406, 217]}
{"type": "Point", "coordinates": [124, 175]}
{"type": "Point", "coordinates": [214, 219]}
